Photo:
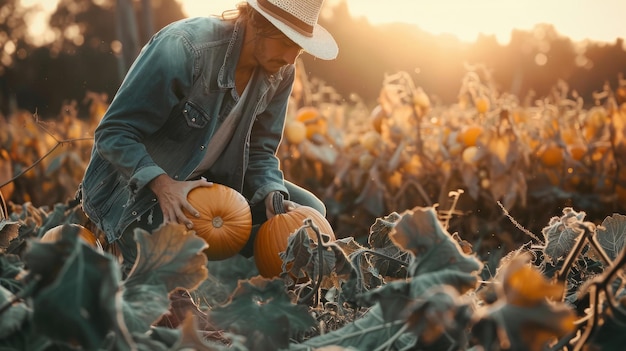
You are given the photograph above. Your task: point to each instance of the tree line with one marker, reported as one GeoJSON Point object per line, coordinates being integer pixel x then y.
{"type": "Point", "coordinates": [95, 41]}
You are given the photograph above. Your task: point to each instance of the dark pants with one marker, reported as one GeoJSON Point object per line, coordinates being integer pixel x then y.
{"type": "Point", "coordinates": [128, 248]}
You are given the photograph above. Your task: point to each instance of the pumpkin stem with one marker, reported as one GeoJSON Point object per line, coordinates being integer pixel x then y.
{"type": "Point", "coordinates": [217, 222]}
{"type": "Point", "coordinates": [277, 202]}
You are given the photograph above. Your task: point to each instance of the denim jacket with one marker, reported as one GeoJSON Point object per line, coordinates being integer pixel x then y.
{"type": "Point", "coordinates": [173, 99]}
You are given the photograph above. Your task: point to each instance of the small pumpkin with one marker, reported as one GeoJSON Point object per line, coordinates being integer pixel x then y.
{"type": "Point", "coordinates": [56, 233]}
{"type": "Point", "coordinates": [315, 122]}
{"type": "Point", "coordinates": [225, 220]}
{"type": "Point", "coordinates": [273, 236]}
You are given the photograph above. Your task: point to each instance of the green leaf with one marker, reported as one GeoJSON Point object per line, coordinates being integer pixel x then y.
{"type": "Point", "coordinates": [302, 258]}
{"type": "Point", "coordinates": [342, 265]}
{"type": "Point", "coordinates": [366, 333]}
{"type": "Point", "coordinates": [380, 230]}
{"type": "Point", "coordinates": [80, 291]}
{"type": "Point", "coordinates": [523, 327]}
{"type": "Point", "coordinates": [611, 235]}
{"type": "Point", "coordinates": [9, 230]}
{"type": "Point", "coordinates": [380, 242]}
{"type": "Point", "coordinates": [169, 258]}
{"type": "Point", "coordinates": [10, 268]}
{"type": "Point", "coordinates": [47, 261]}
{"type": "Point", "coordinates": [54, 218]}
{"type": "Point", "coordinates": [223, 278]}
{"type": "Point", "coordinates": [143, 304]}
{"type": "Point", "coordinates": [393, 297]}
{"type": "Point", "coordinates": [13, 318]}
{"type": "Point", "coordinates": [420, 232]}
{"type": "Point", "coordinates": [297, 257]}
{"type": "Point", "coordinates": [362, 276]}
{"type": "Point", "coordinates": [439, 312]}
{"type": "Point", "coordinates": [261, 309]}
{"type": "Point", "coordinates": [171, 255]}
{"type": "Point", "coordinates": [396, 296]}
{"type": "Point", "coordinates": [562, 233]}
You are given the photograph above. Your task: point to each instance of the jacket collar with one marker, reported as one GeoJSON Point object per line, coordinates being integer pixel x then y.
{"type": "Point", "coordinates": [226, 77]}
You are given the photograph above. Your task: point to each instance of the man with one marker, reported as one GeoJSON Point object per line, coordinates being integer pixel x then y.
{"type": "Point", "coordinates": [204, 102]}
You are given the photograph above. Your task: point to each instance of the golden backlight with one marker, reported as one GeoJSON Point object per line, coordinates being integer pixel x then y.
{"type": "Point", "coordinates": [599, 20]}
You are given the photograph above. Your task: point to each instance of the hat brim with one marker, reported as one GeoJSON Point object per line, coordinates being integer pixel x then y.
{"type": "Point", "coordinates": [321, 44]}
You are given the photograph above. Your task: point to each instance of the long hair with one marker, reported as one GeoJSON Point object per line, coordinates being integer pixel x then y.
{"type": "Point", "coordinates": [263, 27]}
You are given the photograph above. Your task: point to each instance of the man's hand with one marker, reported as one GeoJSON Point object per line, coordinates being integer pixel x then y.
{"type": "Point", "coordinates": [270, 211]}
{"type": "Point", "coordinates": [172, 197]}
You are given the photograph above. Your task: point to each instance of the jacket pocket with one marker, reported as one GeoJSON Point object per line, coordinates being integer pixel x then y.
{"type": "Point", "coordinates": [194, 116]}
{"type": "Point", "coordinates": [186, 122]}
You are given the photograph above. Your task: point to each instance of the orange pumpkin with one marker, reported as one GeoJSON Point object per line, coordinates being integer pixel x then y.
{"type": "Point", "coordinates": [54, 234]}
{"type": "Point", "coordinates": [225, 220]}
{"type": "Point", "coordinates": [469, 135]}
{"type": "Point", "coordinates": [313, 119]}
{"type": "Point", "coordinates": [273, 236]}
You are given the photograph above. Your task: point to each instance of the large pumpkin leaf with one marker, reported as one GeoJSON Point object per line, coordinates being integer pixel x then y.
{"type": "Point", "coordinates": [522, 284]}
{"type": "Point", "coordinates": [301, 257]}
{"type": "Point", "coordinates": [439, 312]}
{"type": "Point", "coordinates": [562, 233]}
{"type": "Point", "coordinates": [143, 304]}
{"type": "Point", "coordinates": [79, 291]}
{"type": "Point", "coordinates": [363, 276]}
{"type": "Point", "coordinates": [612, 235]}
{"type": "Point", "coordinates": [523, 317]}
{"type": "Point", "coordinates": [13, 318]}
{"type": "Point", "coordinates": [297, 257]}
{"type": "Point", "coordinates": [223, 278]}
{"type": "Point", "coordinates": [9, 230]}
{"type": "Point", "coordinates": [523, 328]}
{"type": "Point", "coordinates": [53, 218]}
{"type": "Point", "coordinates": [393, 298]}
{"type": "Point", "coordinates": [171, 255]}
{"type": "Point", "coordinates": [381, 243]}
{"type": "Point", "coordinates": [11, 267]}
{"type": "Point", "coordinates": [396, 296]}
{"type": "Point", "coordinates": [439, 261]}
{"type": "Point", "coordinates": [169, 258]}
{"type": "Point", "coordinates": [419, 231]}
{"type": "Point", "coordinates": [366, 333]}
{"type": "Point", "coordinates": [261, 310]}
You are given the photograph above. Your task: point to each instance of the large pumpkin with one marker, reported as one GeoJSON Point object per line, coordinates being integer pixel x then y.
{"type": "Point", "coordinates": [273, 236]}
{"type": "Point", "coordinates": [54, 234]}
{"type": "Point", "coordinates": [225, 220]}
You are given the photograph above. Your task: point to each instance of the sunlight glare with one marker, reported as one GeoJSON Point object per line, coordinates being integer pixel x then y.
{"type": "Point", "coordinates": [599, 20]}
{"type": "Point", "coordinates": [39, 32]}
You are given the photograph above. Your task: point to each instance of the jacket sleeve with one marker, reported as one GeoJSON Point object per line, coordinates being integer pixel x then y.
{"type": "Point", "coordinates": [160, 76]}
{"type": "Point", "coordinates": [263, 174]}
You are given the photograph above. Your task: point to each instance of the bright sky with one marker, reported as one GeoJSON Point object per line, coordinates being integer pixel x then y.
{"type": "Point", "coordinates": [600, 20]}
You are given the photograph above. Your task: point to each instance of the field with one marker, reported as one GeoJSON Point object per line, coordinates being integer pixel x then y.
{"type": "Point", "coordinates": [493, 223]}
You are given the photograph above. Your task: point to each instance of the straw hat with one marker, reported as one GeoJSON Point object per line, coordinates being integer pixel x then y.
{"type": "Point", "coordinates": [297, 19]}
